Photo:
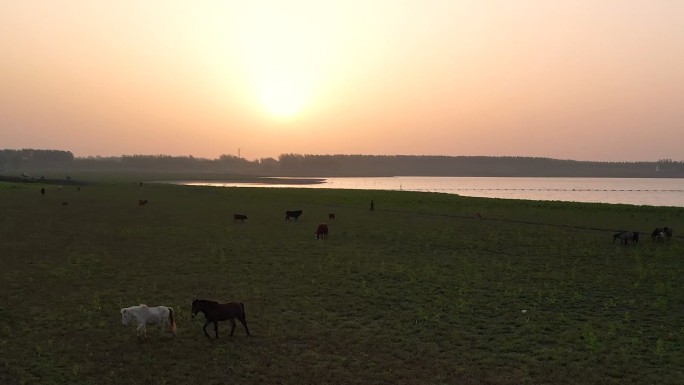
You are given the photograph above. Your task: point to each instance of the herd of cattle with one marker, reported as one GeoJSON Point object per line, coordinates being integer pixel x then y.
{"type": "Point", "coordinates": [321, 230]}
{"type": "Point", "coordinates": [215, 311]}
{"type": "Point", "coordinates": [659, 234]}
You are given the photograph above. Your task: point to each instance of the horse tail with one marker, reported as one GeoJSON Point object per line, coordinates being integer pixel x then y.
{"type": "Point", "coordinates": [173, 323]}
{"type": "Point", "coordinates": [242, 305]}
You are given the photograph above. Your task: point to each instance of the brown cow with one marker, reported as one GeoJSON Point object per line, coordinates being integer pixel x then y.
{"type": "Point", "coordinates": [239, 217]}
{"type": "Point", "coordinates": [322, 231]}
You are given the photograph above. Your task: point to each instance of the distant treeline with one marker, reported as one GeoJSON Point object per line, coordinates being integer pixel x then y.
{"type": "Point", "coordinates": [30, 160]}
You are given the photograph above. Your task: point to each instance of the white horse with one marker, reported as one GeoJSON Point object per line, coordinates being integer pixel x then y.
{"type": "Point", "coordinates": [145, 315]}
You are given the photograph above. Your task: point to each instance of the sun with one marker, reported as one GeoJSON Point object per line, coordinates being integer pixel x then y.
{"type": "Point", "coordinates": [281, 100]}
{"type": "Point", "coordinates": [283, 53]}
{"type": "Point", "coordinates": [282, 96]}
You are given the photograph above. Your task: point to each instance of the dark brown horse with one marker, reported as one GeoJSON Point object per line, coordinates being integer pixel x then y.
{"type": "Point", "coordinates": [214, 312]}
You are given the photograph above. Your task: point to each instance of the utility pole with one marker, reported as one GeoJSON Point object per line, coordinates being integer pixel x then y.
{"type": "Point", "coordinates": [238, 153]}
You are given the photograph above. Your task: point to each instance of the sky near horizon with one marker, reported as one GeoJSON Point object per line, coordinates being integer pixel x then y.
{"type": "Point", "coordinates": [586, 80]}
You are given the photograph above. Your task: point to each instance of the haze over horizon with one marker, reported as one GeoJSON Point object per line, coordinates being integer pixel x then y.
{"type": "Point", "coordinates": [600, 81]}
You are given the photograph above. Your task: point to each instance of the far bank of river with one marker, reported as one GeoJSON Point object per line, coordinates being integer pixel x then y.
{"type": "Point", "coordinates": [636, 191]}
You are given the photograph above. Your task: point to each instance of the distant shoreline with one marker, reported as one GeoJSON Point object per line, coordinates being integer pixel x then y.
{"type": "Point", "coordinates": [32, 180]}
{"type": "Point", "coordinates": [254, 180]}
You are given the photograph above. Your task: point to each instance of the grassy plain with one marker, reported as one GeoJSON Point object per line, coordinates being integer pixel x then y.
{"type": "Point", "coordinates": [417, 292]}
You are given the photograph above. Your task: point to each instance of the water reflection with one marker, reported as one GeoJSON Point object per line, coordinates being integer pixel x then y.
{"type": "Point", "coordinates": [637, 191]}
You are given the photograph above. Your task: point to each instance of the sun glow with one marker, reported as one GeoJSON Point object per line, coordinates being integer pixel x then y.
{"type": "Point", "coordinates": [282, 92]}
{"type": "Point", "coordinates": [284, 54]}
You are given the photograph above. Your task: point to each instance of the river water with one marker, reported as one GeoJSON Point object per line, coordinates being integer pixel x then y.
{"type": "Point", "coordinates": [636, 191]}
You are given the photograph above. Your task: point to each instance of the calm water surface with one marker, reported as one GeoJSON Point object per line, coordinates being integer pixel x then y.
{"type": "Point", "coordinates": [637, 191]}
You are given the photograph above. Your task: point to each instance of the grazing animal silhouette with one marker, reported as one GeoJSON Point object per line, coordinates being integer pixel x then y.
{"type": "Point", "coordinates": [214, 312]}
{"type": "Point", "coordinates": [331, 216]}
{"type": "Point", "coordinates": [239, 217]}
{"type": "Point", "coordinates": [322, 231]}
{"type": "Point", "coordinates": [626, 236]}
{"type": "Point", "coordinates": [658, 234]}
{"type": "Point", "coordinates": [293, 214]}
{"type": "Point", "coordinates": [142, 202]}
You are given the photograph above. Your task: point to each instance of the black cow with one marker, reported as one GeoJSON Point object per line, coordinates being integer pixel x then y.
{"type": "Point", "coordinates": [626, 236]}
{"type": "Point", "coordinates": [293, 214]}
{"type": "Point", "coordinates": [658, 234]}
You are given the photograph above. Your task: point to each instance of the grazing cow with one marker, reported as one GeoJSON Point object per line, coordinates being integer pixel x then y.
{"type": "Point", "coordinates": [239, 217]}
{"type": "Point", "coordinates": [65, 203]}
{"type": "Point", "coordinates": [293, 214]}
{"type": "Point", "coordinates": [331, 216]}
{"type": "Point", "coordinates": [142, 202]}
{"type": "Point", "coordinates": [625, 236]}
{"type": "Point", "coordinates": [322, 231]}
{"type": "Point", "coordinates": [478, 216]}
{"type": "Point", "coordinates": [658, 234]}
{"type": "Point", "coordinates": [668, 232]}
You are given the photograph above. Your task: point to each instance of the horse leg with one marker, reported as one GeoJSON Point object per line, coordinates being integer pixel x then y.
{"type": "Point", "coordinates": [204, 328]}
{"type": "Point", "coordinates": [142, 331]}
{"type": "Point", "coordinates": [243, 321]}
{"type": "Point", "coordinates": [232, 326]}
{"type": "Point", "coordinates": [216, 328]}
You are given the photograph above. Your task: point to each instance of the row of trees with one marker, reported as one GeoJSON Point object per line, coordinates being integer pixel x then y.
{"type": "Point", "coordinates": [370, 165]}
{"type": "Point", "coordinates": [28, 158]}
{"type": "Point", "coordinates": [338, 165]}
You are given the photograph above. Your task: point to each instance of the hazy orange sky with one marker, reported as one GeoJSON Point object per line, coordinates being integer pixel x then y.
{"type": "Point", "coordinates": [586, 80]}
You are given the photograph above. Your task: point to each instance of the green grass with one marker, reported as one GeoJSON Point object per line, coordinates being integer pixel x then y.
{"type": "Point", "coordinates": [417, 292]}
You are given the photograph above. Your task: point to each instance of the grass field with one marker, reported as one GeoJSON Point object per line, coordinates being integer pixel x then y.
{"type": "Point", "coordinates": [416, 292]}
